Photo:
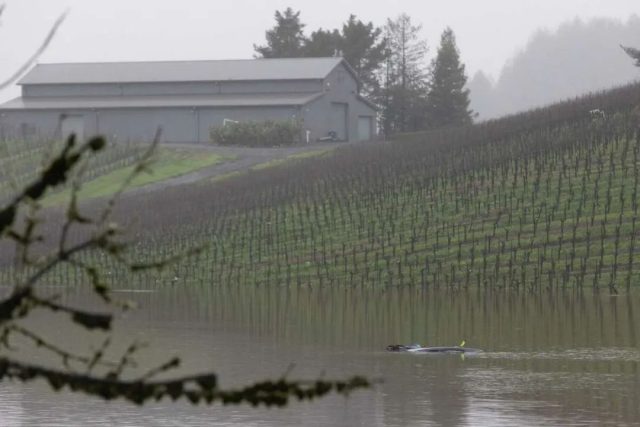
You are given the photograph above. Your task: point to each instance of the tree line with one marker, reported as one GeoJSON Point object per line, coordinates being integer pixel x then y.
{"type": "Point", "coordinates": [570, 60]}
{"type": "Point", "coordinates": [412, 93]}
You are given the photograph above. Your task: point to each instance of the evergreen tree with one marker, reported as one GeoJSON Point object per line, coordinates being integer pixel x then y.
{"type": "Point", "coordinates": [404, 77]}
{"type": "Point", "coordinates": [448, 98]}
{"type": "Point", "coordinates": [633, 53]}
{"type": "Point", "coordinates": [360, 44]}
{"type": "Point", "coordinates": [285, 39]}
{"type": "Point", "coordinates": [364, 49]}
{"type": "Point", "coordinates": [322, 43]}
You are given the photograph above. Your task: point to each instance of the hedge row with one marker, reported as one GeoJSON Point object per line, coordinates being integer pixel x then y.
{"type": "Point", "coordinates": [258, 134]}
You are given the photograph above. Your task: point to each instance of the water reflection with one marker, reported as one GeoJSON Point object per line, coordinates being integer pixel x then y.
{"type": "Point", "coordinates": [551, 358]}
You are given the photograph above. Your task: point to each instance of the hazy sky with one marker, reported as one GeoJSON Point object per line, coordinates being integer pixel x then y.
{"type": "Point", "coordinates": [488, 31]}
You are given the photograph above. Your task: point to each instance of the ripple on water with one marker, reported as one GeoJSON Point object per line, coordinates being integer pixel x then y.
{"type": "Point", "coordinates": [133, 291]}
{"type": "Point", "coordinates": [11, 409]}
{"type": "Point", "coordinates": [576, 354]}
{"type": "Point", "coordinates": [571, 387]}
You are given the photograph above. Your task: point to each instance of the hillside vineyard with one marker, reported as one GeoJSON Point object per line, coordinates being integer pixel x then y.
{"type": "Point", "coordinates": [544, 199]}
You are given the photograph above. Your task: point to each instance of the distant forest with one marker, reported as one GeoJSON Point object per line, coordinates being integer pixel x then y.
{"type": "Point", "coordinates": [577, 58]}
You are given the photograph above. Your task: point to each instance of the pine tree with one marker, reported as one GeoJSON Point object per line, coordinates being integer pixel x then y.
{"type": "Point", "coordinates": [364, 49]}
{"type": "Point", "coordinates": [448, 98]}
{"type": "Point", "coordinates": [404, 77]}
{"type": "Point", "coordinates": [360, 44]}
{"type": "Point", "coordinates": [285, 39]}
{"type": "Point", "coordinates": [633, 53]}
{"type": "Point", "coordinates": [322, 43]}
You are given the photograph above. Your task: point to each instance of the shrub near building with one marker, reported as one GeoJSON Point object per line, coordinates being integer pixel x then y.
{"type": "Point", "coordinates": [258, 134]}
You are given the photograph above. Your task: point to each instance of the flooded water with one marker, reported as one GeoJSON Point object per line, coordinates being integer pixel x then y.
{"type": "Point", "coordinates": [550, 358]}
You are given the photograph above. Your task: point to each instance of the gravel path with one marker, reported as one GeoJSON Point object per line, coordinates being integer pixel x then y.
{"type": "Point", "coordinates": [243, 158]}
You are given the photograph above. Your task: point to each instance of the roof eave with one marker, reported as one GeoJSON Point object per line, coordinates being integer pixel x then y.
{"type": "Point", "coordinates": [368, 102]}
{"type": "Point", "coordinates": [7, 107]}
{"type": "Point", "coordinates": [13, 109]}
{"type": "Point", "coordinates": [23, 83]}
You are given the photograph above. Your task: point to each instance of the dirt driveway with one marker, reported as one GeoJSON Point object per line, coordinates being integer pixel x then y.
{"type": "Point", "coordinates": [242, 159]}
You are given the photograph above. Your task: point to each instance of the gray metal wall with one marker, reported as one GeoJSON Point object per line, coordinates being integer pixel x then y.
{"type": "Point", "coordinates": [117, 125]}
{"type": "Point", "coordinates": [30, 125]}
{"type": "Point", "coordinates": [177, 124]}
{"type": "Point", "coordinates": [181, 124]}
{"type": "Point", "coordinates": [143, 89]}
{"type": "Point", "coordinates": [339, 87]}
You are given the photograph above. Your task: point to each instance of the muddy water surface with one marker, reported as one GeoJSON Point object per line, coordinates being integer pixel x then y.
{"type": "Point", "coordinates": [550, 358]}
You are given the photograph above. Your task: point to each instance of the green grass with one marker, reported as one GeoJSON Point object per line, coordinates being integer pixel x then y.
{"type": "Point", "coordinates": [273, 163]}
{"type": "Point", "coordinates": [167, 163]}
{"type": "Point", "coordinates": [227, 176]}
{"type": "Point", "coordinates": [296, 156]}
{"type": "Point", "coordinates": [22, 161]}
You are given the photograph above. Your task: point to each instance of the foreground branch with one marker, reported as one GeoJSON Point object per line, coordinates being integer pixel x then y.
{"type": "Point", "coordinates": [19, 304]}
{"type": "Point", "coordinates": [197, 389]}
{"type": "Point", "coordinates": [29, 62]}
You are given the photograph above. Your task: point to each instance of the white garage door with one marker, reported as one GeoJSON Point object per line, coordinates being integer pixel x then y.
{"type": "Point", "coordinates": [365, 125]}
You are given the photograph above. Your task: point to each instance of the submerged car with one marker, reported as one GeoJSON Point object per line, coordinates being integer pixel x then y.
{"type": "Point", "coordinates": [417, 348]}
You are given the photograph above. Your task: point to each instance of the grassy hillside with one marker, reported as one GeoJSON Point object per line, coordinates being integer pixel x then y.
{"type": "Point", "coordinates": [546, 199]}
{"type": "Point", "coordinates": [103, 174]}
{"type": "Point", "coordinates": [20, 162]}
{"type": "Point", "coordinates": [168, 163]}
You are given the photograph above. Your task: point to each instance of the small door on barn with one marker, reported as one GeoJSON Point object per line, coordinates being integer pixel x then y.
{"type": "Point", "coordinates": [72, 124]}
{"type": "Point", "coordinates": [339, 120]}
{"type": "Point", "coordinates": [365, 125]}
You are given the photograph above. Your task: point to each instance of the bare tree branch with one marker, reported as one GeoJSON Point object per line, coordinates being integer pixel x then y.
{"type": "Point", "coordinates": [52, 32]}
{"type": "Point", "coordinates": [63, 354]}
{"type": "Point", "coordinates": [197, 388]}
{"type": "Point", "coordinates": [633, 53]}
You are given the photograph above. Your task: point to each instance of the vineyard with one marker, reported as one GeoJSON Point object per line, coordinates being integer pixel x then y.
{"type": "Point", "coordinates": [103, 174]}
{"type": "Point", "coordinates": [20, 162]}
{"type": "Point", "coordinates": [544, 199]}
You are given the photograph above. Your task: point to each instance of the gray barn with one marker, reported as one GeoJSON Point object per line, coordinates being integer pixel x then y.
{"type": "Point", "coordinates": [129, 101]}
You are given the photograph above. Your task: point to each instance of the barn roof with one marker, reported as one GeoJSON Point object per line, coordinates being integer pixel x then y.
{"type": "Point", "coordinates": [182, 71]}
{"type": "Point", "coordinates": [105, 102]}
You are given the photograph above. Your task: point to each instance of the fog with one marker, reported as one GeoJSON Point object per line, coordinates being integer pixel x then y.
{"type": "Point", "coordinates": [490, 34]}
{"type": "Point", "coordinates": [575, 59]}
